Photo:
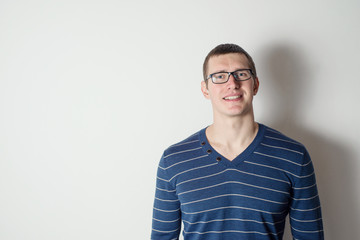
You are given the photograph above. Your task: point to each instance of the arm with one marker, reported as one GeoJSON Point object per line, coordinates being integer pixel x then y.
{"type": "Point", "coordinates": [305, 210]}
{"type": "Point", "coordinates": [166, 221]}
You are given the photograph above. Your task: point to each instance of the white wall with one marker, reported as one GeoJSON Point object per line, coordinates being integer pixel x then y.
{"type": "Point", "coordinates": [92, 92]}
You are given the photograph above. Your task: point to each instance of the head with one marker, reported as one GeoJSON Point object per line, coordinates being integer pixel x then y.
{"type": "Point", "coordinates": [234, 97]}
{"type": "Point", "coordinates": [225, 49]}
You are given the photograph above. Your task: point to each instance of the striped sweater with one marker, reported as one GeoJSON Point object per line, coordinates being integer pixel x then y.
{"type": "Point", "coordinates": [246, 198]}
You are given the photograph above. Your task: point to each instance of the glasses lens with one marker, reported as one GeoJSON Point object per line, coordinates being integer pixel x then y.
{"type": "Point", "coordinates": [220, 77]}
{"type": "Point", "coordinates": [242, 75]}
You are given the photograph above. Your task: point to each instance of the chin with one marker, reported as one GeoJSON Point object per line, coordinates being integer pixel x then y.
{"type": "Point", "coordinates": [240, 112]}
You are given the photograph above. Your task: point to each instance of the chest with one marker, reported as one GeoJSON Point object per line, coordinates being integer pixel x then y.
{"type": "Point", "coordinates": [229, 152]}
{"type": "Point", "coordinates": [245, 189]}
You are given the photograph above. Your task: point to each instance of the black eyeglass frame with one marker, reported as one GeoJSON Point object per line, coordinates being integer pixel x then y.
{"type": "Point", "coordinates": [231, 73]}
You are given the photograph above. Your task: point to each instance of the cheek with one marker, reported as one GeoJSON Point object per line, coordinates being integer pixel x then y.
{"type": "Point", "coordinates": [213, 94]}
{"type": "Point", "coordinates": [252, 88]}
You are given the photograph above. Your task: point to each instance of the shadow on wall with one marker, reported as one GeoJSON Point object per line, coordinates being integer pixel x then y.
{"type": "Point", "coordinates": [285, 65]}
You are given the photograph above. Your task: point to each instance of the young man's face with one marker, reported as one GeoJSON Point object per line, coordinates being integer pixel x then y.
{"type": "Point", "coordinates": [233, 98]}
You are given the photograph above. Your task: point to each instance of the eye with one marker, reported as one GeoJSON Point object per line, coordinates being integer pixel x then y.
{"type": "Point", "coordinates": [242, 75]}
{"type": "Point", "coordinates": [220, 76]}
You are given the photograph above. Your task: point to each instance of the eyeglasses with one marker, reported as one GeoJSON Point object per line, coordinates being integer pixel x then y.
{"type": "Point", "coordinates": [223, 77]}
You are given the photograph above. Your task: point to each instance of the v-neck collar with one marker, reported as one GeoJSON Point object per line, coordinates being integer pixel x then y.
{"type": "Point", "coordinates": [217, 157]}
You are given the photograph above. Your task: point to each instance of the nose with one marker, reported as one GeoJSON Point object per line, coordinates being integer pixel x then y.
{"type": "Point", "coordinates": [232, 83]}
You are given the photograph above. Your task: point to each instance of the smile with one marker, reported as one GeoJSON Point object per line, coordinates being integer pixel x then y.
{"type": "Point", "coordinates": [232, 97]}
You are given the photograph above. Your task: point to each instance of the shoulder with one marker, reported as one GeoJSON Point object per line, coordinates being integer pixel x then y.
{"type": "Point", "coordinates": [191, 142]}
{"type": "Point", "coordinates": [182, 155]}
{"type": "Point", "coordinates": [287, 151]}
{"type": "Point", "coordinates": [282, 152]}
{"type": "Point", "coordinates": [279, 139]}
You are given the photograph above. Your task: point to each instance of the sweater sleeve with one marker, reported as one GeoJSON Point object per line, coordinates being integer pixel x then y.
{"type": "Point", "coordinates": [166, 221]}
{"type": "Point", "coordinates": [305, 210]}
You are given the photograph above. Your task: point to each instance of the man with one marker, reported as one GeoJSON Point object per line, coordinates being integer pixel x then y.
{"type": "Point", "coordinates": [235, 179]}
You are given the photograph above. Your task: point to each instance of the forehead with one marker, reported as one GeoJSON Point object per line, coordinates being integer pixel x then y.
{"type": "Point", "coordinates": [227, 62]}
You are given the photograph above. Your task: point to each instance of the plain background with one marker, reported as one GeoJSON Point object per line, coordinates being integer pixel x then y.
{"type": "Point", "coordinates": [92, 92]}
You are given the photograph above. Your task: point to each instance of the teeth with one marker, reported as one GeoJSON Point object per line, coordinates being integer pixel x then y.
{"type": "Point", "coordinates": [232, 97]}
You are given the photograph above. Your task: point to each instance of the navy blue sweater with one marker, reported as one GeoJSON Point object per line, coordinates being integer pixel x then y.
{"type": "Point", "coordinates": [246, 198]}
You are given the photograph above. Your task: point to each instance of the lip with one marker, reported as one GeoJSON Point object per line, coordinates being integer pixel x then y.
{"type": "Point", "coordinates": [233, 97]}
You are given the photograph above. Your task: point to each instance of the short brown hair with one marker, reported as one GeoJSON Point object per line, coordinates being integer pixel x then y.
{"type": "Point", "coordinates": [225, 49]}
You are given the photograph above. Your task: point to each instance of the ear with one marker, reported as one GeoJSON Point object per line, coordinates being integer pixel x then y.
{"type": "Point", "coordinates": [205, 90]}
{"type": "Point", "coordinates": [256, 86]}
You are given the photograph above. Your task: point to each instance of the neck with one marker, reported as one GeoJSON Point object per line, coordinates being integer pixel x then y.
{"type": "Point", "coordinates": [233, 131]}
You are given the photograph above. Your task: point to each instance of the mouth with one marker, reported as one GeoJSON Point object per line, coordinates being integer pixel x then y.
{"type": "Point", "coordinates": [235, 97]}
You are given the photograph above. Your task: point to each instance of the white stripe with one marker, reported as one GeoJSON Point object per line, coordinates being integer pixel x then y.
{"type": "Point", "coordinates": [274, 131]}
{"type": "Point", "coordinates": [280, 139]}
{"type": "Point", "coordinates": [307, 163]}
{"type": "Point", "coordinates": [246, 184]}
{"type": "Point", "coordinates": [305, 187]}
{"type": "Point", "coordinates": [162, 179]}
{"type": "Point", "coordinates": [313, 220]}
{"type": "Point", "coordinates": [191, 159]}
{"type": "Point", "coordinates": [316, 231]}
{"type": "Point", "coordinates": [161, 210]}
{"type": "Point", "coordinates": [237, 195]}
{"type": "Point", "coordinates": [166, 221]}
{"type": "Point", "coordinates": [164, 200]}
{"type": "Point", "coordinates": [232, 169]}
{"type": "Point", "coordinates": [233, 219]}
{"type": "Point", "coordinates": [301, 199]}
{"type": "Point", "coordinates": [287, 149]}
{"type": "Point", "coordinates": [165, 231]}
{"type": "Point", "coordinates": [189, 150]}
{"type": "Point", "coordinates": [234, 231]}
{"type": "Point", "coordinates": [219, 208]}
{"type": "Point", "coordinates": [283, 159]}
{"type": "Point", "coordinates": [280, 170]}
{"type": "Point", "coordinates": [275, 179]}
{"type": "Point", "coordinates": [192, 169]}
{"type": "Point", "coordinates": [211, 175]}
{"type": "Point", "coordinates": [305, 210]}
{"type": "Point", "coordinates": [161, 189]}
{"type": "Point", "coordinates": [180, 144]}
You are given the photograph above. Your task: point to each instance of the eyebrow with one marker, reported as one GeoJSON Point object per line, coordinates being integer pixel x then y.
{"type": "Point", "coordinates": [224, 71]}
